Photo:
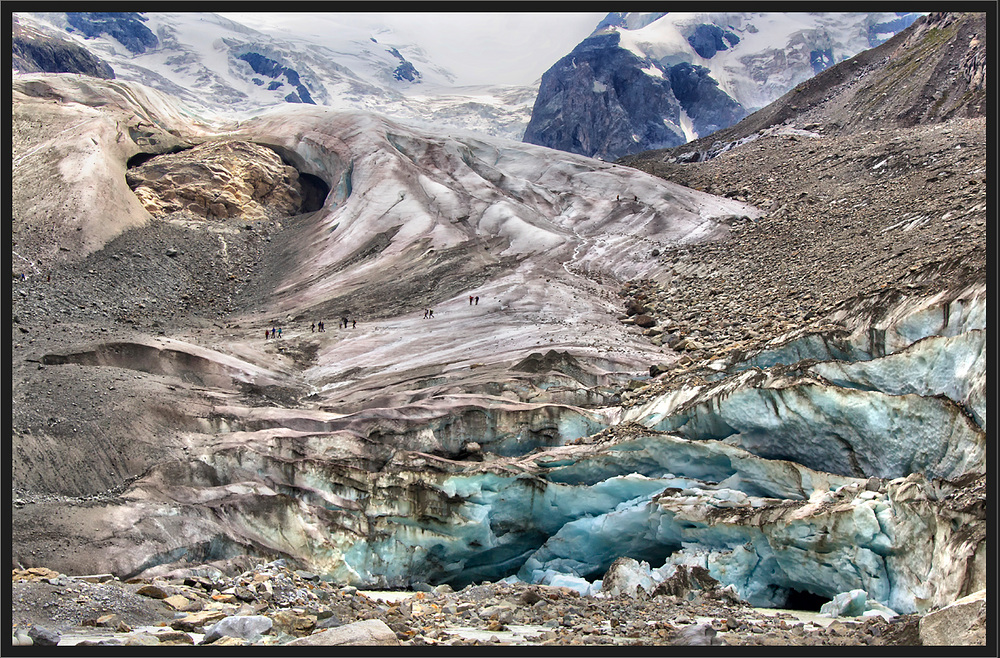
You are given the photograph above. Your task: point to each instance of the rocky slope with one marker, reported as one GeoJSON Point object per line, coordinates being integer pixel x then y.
{"type": "Point", "coordinates": [650, 372]}
{"type": "Point", "coordinates": [864, 206]}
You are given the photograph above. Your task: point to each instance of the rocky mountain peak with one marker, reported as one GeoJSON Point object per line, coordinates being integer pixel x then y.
{"type": "Point", "coordinates": [720, 66]}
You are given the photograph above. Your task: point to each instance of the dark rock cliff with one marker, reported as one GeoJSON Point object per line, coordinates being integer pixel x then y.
{"type": "Point", "coordinates": [33, 52]}
{"type": "Point", "coordinates": [603, 101]}
{"type": "Point", "coordinates": [709, 107]}
{"type": "Point", "coordinates": [125, 27]}
{"type": "Point", "coordinates": [597, 101]}
{"type": "Point", "coordinates": [266, 66]}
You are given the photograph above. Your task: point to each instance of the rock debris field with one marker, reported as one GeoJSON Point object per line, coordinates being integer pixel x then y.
{"type": "Point", "coordinates": [280, 606]}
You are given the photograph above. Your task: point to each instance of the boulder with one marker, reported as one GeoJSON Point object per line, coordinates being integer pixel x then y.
{"type": "Point", "coordinates": [152, 591]}
{"type": "Point", "coordinates": [658, 369]}
{"type": "Point", "coordinates": [961, 623]}
{"type": "Point", "coordinates": [43, 637]}
{"type": "Point", "coordinates": [289, 622]}
{"type": "Point", "coordinates": [173, 637]}
{"type": "Point", "coordinates": [142, 640]}
{"type": "Point", "coordinates": [635, 308]}
{"type": "Point", "coordinates": [178, 602]}
{"type": "Point", "coordinates": [370, 632]}
{"type": "Point", "coordinates": [248, 628]}
{"type": "Point", "coordinates": [197, 620]}
{"type": "Point", "coordinates": [697, 635]}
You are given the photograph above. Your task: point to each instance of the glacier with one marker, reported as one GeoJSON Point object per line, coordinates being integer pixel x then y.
{"type": "Point", "coordinates": [489, 443]}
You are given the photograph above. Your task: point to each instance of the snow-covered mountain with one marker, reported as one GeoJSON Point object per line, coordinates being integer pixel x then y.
{"type": "Point", "coordinates": [217, 65]}
{"type": "Point", "coordinates": [644, 81]}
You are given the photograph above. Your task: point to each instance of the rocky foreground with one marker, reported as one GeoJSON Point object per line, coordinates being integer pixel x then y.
{"type": "Point", "coordinates": [270, 604]}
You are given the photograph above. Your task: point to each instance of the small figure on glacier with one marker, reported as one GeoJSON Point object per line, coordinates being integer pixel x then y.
{"type": "Point", "coordinates": [477, 300]}
{"type": "Point", "coordinates": [312, 328]}
{"type": "Point", "coordinates": [345, 322]}
{"type": "Point", "coordinates": [354, 324]}
{"type": "Point", "coordinates": [425, 313]}
{"type": "Point", "coordinates": [430, 313]}
{"type": "Point", "coordinates": [470, 300]}
{"type": "Point", "coordinates": [279, 332]}
{"type": "Point", "coordinates": [267, 334]}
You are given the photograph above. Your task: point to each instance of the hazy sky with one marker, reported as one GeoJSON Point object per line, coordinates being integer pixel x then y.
{"type": "Point", "coordinates": [478, 47]}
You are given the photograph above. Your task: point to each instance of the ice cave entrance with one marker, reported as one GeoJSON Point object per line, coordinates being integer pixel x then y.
{"type": "Point", "coordinates": [314, 190]}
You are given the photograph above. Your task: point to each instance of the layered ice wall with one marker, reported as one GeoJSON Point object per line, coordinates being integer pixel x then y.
{"type": "Point", "coordinates": [881, 506]}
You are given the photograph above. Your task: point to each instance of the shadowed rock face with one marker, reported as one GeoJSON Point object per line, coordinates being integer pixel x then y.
{"type": "Point", "coordinates": [33, 51]}
{"type": "Point", "coordinates": [126, 27]}
{"type": "Point", "coordinates": [596, 101]}
{"type": "Point", "coordinates": [218, 180]}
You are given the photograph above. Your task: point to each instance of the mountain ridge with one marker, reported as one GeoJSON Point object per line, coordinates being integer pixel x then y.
{"type": "Point", "coordinates": [717, 75]}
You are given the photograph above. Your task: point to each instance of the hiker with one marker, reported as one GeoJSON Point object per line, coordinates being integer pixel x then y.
{"type": "Point", "coordinates": [267, 334]}
{"type": "Point", "coordinates": [279, 332]}
{"type": "Point", "coordinates": [470, 300]}
{"type": "Point", "coordinates": [425, 313]}
{"type": "Point", "coordinates": [345, 322]}
{"type": "Point", "coordinates": [321, 327]}
{"type": "Point", "coordinates": [313, 327]}
{"type": "Point", "coordinates": [354, 324]}
{"type": "Point", "coordinates": [430, 313]}
{"type": "Point", "coordinates": [477, 300]}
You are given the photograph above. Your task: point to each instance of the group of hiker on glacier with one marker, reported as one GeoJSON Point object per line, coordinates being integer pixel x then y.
{"type": "Point", "coordinates": [275, 331]}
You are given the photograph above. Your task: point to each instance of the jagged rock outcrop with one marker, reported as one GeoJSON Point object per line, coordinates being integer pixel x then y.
{"type": "Point", "coordinates": [125, 27]}
{"type": "Point", "coordinates": [598, 101]}
{"type": "Point", "coordinates": [35, 52]}
{"type": "Point", "coordinates": [218, 180]}
{"type": "Point", "coordinates": [268, 67]}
